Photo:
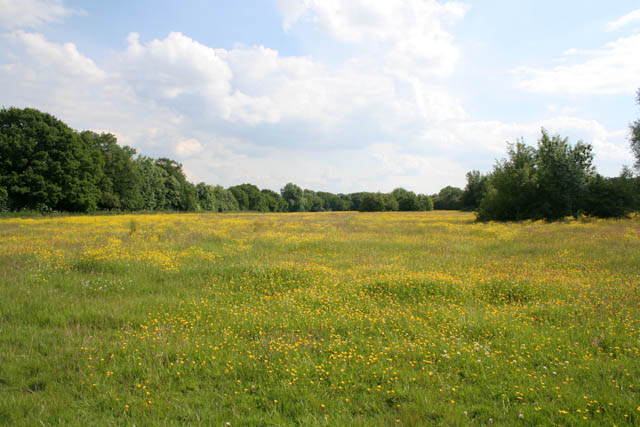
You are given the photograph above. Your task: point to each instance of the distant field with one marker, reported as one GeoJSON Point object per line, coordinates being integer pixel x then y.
{"type": "Point", "coordinates": [318, 318]}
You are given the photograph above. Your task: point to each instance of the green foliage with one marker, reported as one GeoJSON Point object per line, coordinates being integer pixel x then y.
{"type": "Point", "coordinates": [250, 198]}
{"type": "Point", "coordinates": [562, 174]}
{"type": "Point", "coordinates": [372, 202]}
{"type": "Point", "coordinates": [612, 197]}
{"type": "Point", "coordinates": [313, 202]}
{"type": "Point", "coordinates": [390, 202]}
{"type": "Point", "coordinates": [45, 165]}
{"type": "Point", "coordinates": [274, 201]}
{"type": "Point", "coordinates": [475, 190]}
{"type": "Point", "coordinates": [206, 197]}
{"type": "Point", "coordinates": [425, 203]}
{"type": "Point", "coordinates": [334, 202]}
{"type": "Point", "coordinates": [550, 182]}
{"type": "Point", "coordinates": [117, 176]}
{"type": "Point", "coordinates": [449, 198]}
{"type": "Point", "coordinates": [153, 178]}
{"type": "Point", "coordinates": [4, 200]}
{"type": "Point", "coordinates": [228, 202]}
{"type": "Point", "coordinates": [181, 195]}
{"type": "Point", "coordinates": [292, 194]}
{"type": "Point", "coordinates": [407, 200]}
{"type": "Point", "coordinates": [513, 186]}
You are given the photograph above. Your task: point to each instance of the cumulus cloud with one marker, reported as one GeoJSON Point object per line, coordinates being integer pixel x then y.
{"type": "Point", "coordinates": [409, 34]}
{"type": "Point", "coordinates": [631, 17]}
{"type": "Point", "coordinates": [67, 60]}
{"type": "Point", "coordinates": [32, 13]}
{"type": "Point", "coordinates": [611, 70]}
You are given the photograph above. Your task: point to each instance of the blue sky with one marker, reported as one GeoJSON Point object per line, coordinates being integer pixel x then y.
{"type": "Point", "coordinates": [333, 95]}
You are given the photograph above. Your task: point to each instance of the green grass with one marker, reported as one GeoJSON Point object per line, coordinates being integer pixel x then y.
{"type": "Point", "coordinates": [318, 319]}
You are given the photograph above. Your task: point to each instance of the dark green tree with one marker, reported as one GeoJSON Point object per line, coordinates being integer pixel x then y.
{"type": "Point", "coordinates": [313, 202]}
{"type": "Point", "coordinates": [342, 202]}
{"type": "Point", "coordinates": [475, 190]}
{"type": "Point", "coordinates": [449, 198]}
{"type": "Point", "coordinates": [249, 198]}
{"type": "Point", "coordinates": [153, 179]}
{"type": "Point", "coordinates": [425, 203]}
{"type": "Point", "coordinates": [117, 177]}
{"type": "Point", "coordinates": [356, 200]}
{"type": "Point", "coordinates": [44, 164]}
{"type": "Point", "coordinates": [207, 197]}
{"type": "Point", "coordinates": [407, 200]}
{"type": "Point", "coordinates": [563, 173]}
{"type": "Point", "coordinates": [372, 202]}
{"type": "Point", "coordinates": [549, 182]}
{"type": "Point", "coordinates": [180, 194]}
{"type": "Point", "coordinates": [512, 194]}
{"type": "Point", "coordinates": [274, 201]}
{"type": "Point", "coordinates": [390, 202]}
{"type": "Point", "coordinates": [612, 197]}
{"type": "Point", "coordinates": [293, 195]}
{"type": "Point", "coordinates": [228, 202]}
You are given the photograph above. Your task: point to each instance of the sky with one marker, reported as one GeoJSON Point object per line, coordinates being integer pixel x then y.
{"type": "Point", "coordinates": [333, 95]}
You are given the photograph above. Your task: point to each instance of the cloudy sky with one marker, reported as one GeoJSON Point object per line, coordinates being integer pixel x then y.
{"type": "Point", "coordinates": [335, 95]}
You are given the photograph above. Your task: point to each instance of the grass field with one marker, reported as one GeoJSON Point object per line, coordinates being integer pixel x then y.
{"type": "Point", "coordinates": [320, 319]}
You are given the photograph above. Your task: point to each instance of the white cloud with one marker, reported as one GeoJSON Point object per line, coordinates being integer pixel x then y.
{"type": "Point", "coordinates": [32, 13]}
{"type": "Point", "coordinates": [407, 34]}
{"type": "Point", "coordinates": [612, 70]}
{"type": "Point", "coordinates": [68, 62]}
{"type": "Point", "coordinates": [254, 85]}
{"type": "Point", "coordinates": [631, 17]}
{"type": "Point", "coordinates": [188, 147]}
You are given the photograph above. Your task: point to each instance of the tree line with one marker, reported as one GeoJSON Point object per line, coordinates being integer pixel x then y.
{"type": "Point", "coordinates": [47, 166]}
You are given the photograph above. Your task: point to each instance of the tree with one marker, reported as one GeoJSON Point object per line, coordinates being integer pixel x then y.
{"type": "Point", "coordinates": [153, 179]}
{"type": "Point", "coordinates": [449, 198]}
{"type": "Point", "coordinates": [356, 200]}
{"type": "Point", "coordinates": [313, 202]}
{"type": "Point", "coordinates": [372, 202]}
{"type": "Point", "coordinates": [293, 195]}
{"type": "Point", "coordinates": [548, 182]}
{"type": "Point", "coordinates": [44, 164]}
{"type": "Point", "coordinates": [181, 195]}
{"type": "Point", "coordinates": [207, 197]}
{"type": "Point", "coordinates": [118, 179]}
{"type": "Point", "coordinates": [425, 203]}
{"type": "Point", "coordinates": [390, 203]}
{"type": "Point", "coordinates": [274, 201]}
{"type": "Point", "coordinates": [249, 198]}
{"type": "Point", "coordinates": [407, 200]}
{"type": "Point", "coordinates": [475, 190]}
{"type": "Point", "coordinates": [563, 173]}
{"type": "Point", "coordinates": [227, 202]}
{"type": "Point", "coordinates": [512, 190]}
{"type": "Point", "coordinates": [612, 197]}
{"type": "Point", "coordinates": [635, 137]}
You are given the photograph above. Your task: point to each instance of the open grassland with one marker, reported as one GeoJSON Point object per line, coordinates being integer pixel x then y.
{"type": "Point", "coordinates": [328, 318]}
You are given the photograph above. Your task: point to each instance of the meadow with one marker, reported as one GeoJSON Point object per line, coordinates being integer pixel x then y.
{"type": "Point", "coordinates": [337, 318]}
